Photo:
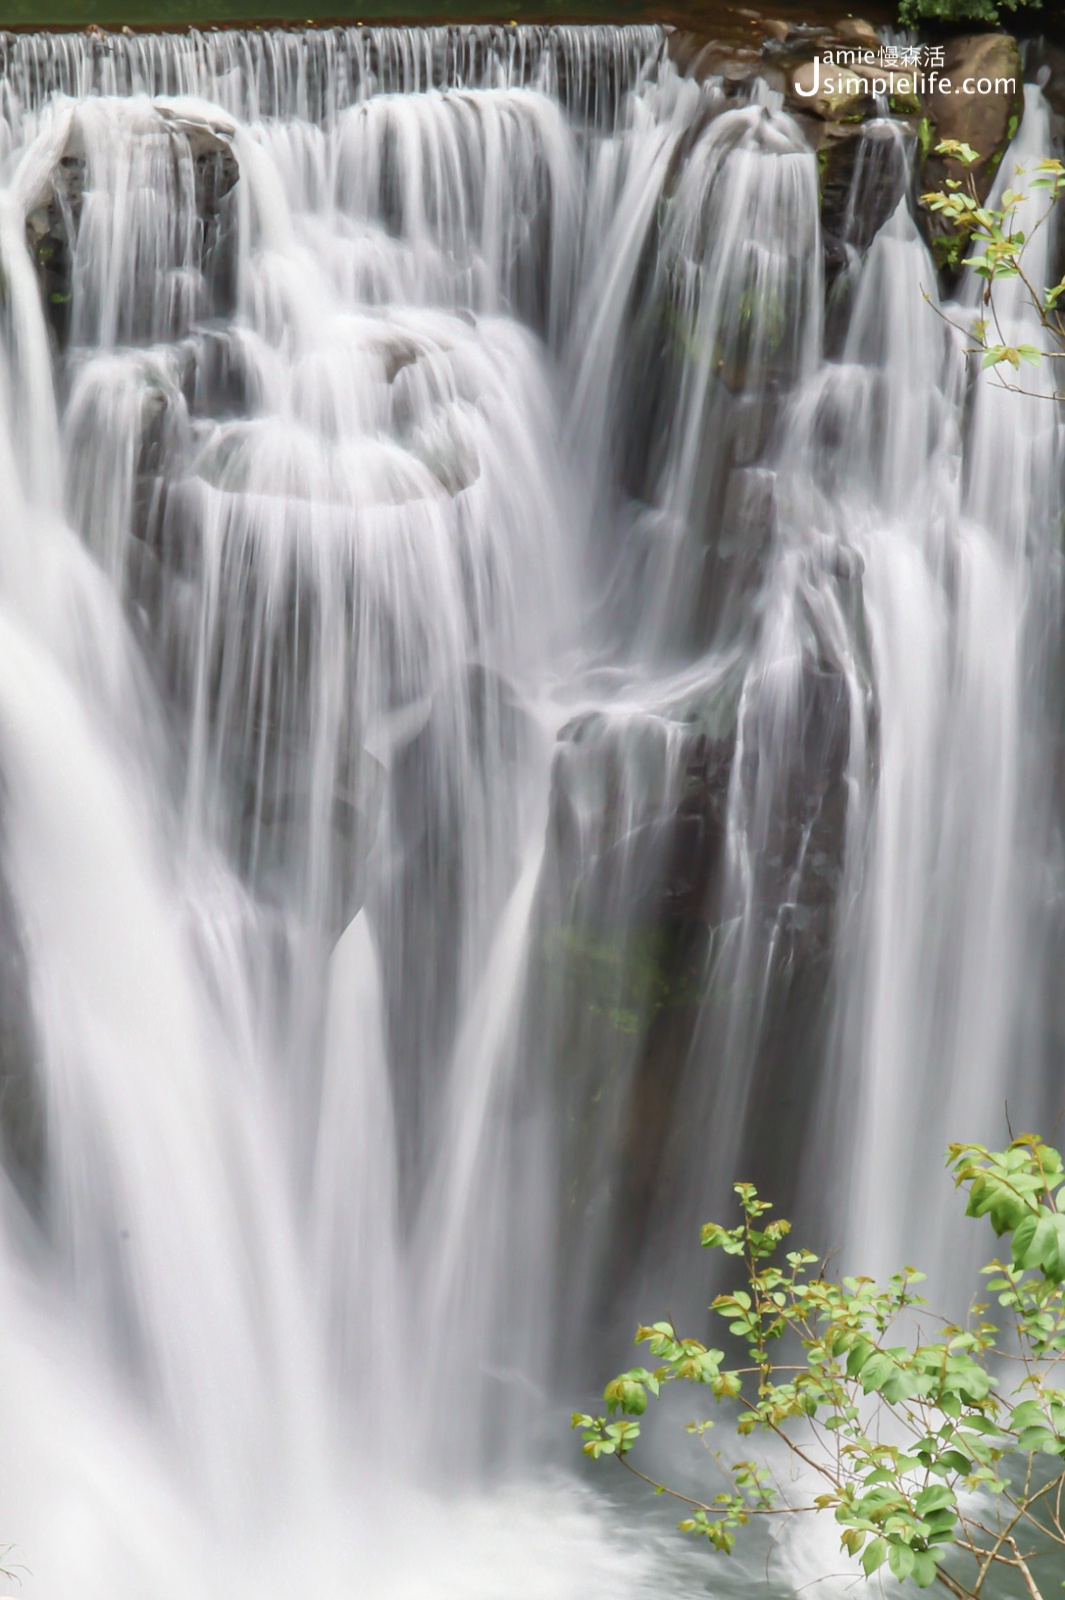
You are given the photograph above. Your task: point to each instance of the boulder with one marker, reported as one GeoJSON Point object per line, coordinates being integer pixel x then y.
{"type": "Point", "coordinates": [717, 58]}
{"type": "Point", "coordinates": [985, 114]}
{"type": "Point", "coordinates": [691, 53]}
{"type": "Point", "coordinates": [208, 129]}
{"type": "Point", "coordinates": [833, 93]}
{"type": "Point", "coordinates": [856, 31]}
{"type": "Point", "coordinates": [899, 84]}
{"type": "Point", "coordinates": [884, 176]}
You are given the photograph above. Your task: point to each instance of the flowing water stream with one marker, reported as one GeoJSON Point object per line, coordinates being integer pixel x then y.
{"type": "Point", "coordinates": [511, 718]}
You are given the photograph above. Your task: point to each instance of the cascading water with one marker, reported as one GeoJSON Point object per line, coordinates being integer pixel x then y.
{"type": "Point", "coordinates": [499, 737]}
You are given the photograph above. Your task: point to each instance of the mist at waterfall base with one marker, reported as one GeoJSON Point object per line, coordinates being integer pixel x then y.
{"type": "Point", "coordinates": [524, 698]}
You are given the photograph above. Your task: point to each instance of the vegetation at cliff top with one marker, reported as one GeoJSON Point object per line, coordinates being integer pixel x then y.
{"type": "Point", "coordinates": [912, 13]}
{"type": "Point", "coordinates": [182, 13]}
{"type": "Point", "coordinates": [939, 1449]}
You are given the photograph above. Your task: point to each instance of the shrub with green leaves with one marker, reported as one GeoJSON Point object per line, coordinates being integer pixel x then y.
{"type": "Point", "coordinates": [1000, 248]}
{"type": "Point", "coordinates": [939, 1449]}
{"type": "Point", "coordinates": [913, 12]}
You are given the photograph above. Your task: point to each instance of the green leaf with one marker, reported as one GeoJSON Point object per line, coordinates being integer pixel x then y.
{"type": "Point", "coordinates": [860, 1352]}
{"type": "Point", "coordinates": [626, 1394]}
{"type": "Point", "coordinates": [1024, 1233]}
{"type": "Point", "coordinates": [1038, 1439]}
{"type": "Point", "coordinates": [1029, 1414]}
{"type": "Point", "coordinates": [924, 1568]}
{"type": "Point", "coordinates": [876, 1371]}
{"type": "Point", "coordinates": [900, 1559]}
{"type": "Point", "coordinates": [963, 1434]}
{"type": "Point", "coordinates": [957, 150]}
{"type": "Point", "coordinates": [874, 1555]}
{"type": "Point", "coordinates": [934, 1498]}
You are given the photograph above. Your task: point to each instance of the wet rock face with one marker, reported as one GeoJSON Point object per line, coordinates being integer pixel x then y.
{"type": "Point", "coordinates": [802, 853]}
{"type": "Point", "coordinates": [663, 846]}
{"type": "Point", "coordinates": [863, 177]}
{"type": "Point", "coordinates": [54, 220]}
{"type": "Point", "coordinates": [51, 228]}
{"type": "Point", "coordinates": [1044, 61]}
{"type": "Point", "coordinates": [796, 863]}
{"type": "Point", "coordinates": [21, 1109]}
{"type": "Point", "coordinates": [216, 176]}
{"type": "Point", "coordinates": [470, 743]}
{"type": "Point", "coordinates": [636, 865]}
{"type": "Point", "coordinates": [643, 969]}
{"type": "Point", "coordinates": [636, 856]}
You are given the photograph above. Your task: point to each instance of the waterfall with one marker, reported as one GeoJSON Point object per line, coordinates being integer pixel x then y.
{"type": "Point", "coordinates": [511, 719]}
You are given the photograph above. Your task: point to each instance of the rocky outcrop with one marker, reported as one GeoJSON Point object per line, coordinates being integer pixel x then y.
{"type": "Point", "coordinates": [51, 229]}
{"type": "Point", "coordinates": [856, 31]}
{"type": "Point", "coordinates": [870, 157]}
{"type": "Point", "coordinates": [1044, 61]}
{"type": "Point", "coordinates": [53, 213]}
{"type": "Point", "coordinates": [466, 747]}
{"type": "Point", "coordinates": [21, 1106]}
{"type": "Point", "coordinates": [982, 106]}
{"type": "Point", "coordinates": [650, 950]}
{"type": "Point", "coordinates": [635, 881]}
{"type": "Point", "coordinates": [837, 86]}
{"type": "Point", "coordinates": [836, 96]}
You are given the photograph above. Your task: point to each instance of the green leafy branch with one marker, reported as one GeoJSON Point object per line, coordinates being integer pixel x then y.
{"type": "Point", "coordinates": [913, 13]}
{"type": "Point", "coordinates": [940, 1455]}
{"type": "Point", "coordinates": [998, 248]}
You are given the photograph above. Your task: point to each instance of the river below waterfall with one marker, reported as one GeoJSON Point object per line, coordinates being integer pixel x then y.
{"type": "Point", "coordinates": [530, 689]}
